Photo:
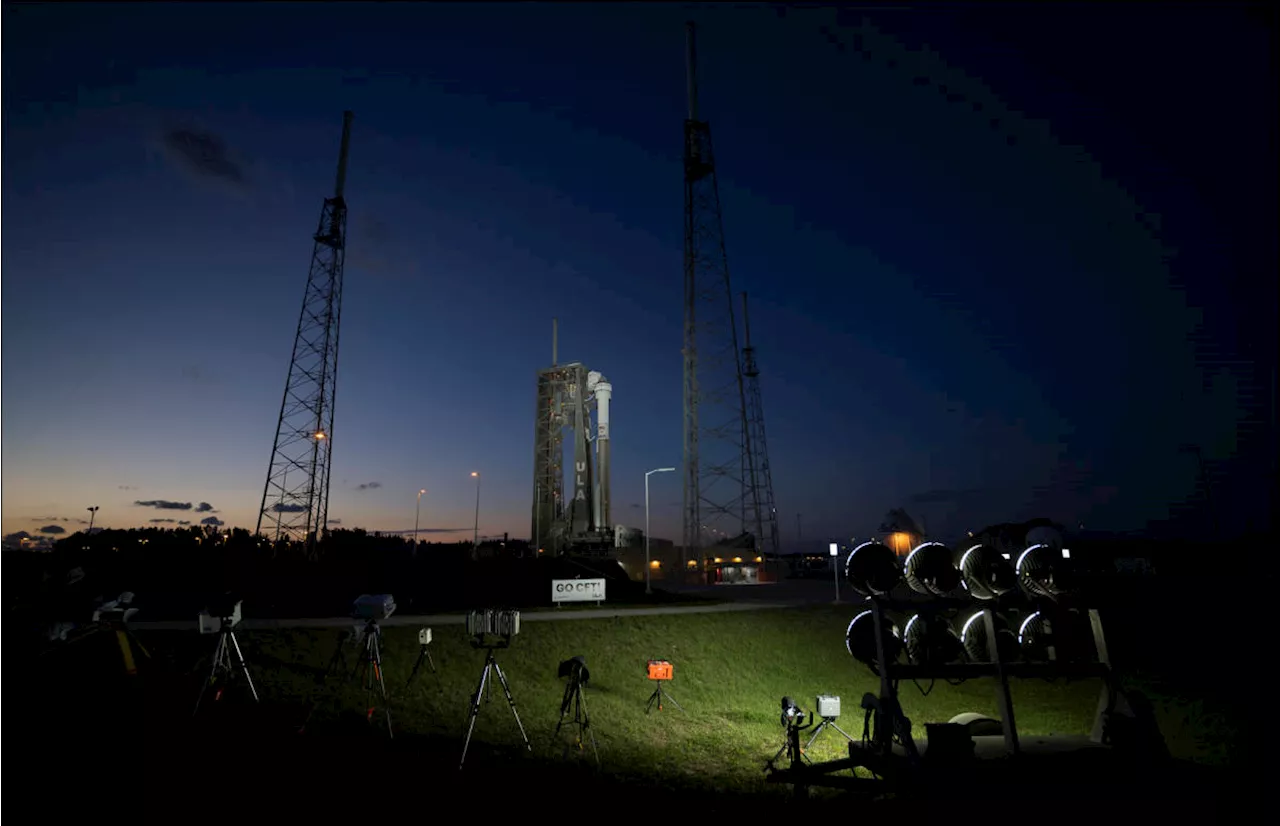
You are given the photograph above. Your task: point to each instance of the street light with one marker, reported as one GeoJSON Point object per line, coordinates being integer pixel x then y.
{"type": "Point", "coordinates": [475, 532]}
{"type": "Point", "coordinates": [93, 511]}
{"type": "Point", "coordinates": [835, 566]}
{"type": "Point", "coordinates": [416, 512]}
{"type": "Point", "coordinates": [648, 589]}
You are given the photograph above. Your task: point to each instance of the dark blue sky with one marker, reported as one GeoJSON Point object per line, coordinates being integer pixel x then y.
{"type": "Point", "coordinates": [1002, 261]}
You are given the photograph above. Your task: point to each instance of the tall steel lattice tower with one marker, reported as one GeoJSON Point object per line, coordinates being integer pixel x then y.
{"type": "Point", "coordinates": [766, 508]}
{"type": "Point", "coordinates": [295, 500]}
{"type": "Point", "coordinates": [720, 504]}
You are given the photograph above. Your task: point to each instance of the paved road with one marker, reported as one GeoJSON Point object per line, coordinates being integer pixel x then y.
{"type": "Point", "coordinates": [790, 593]}
{"type": "Point", "coordinates": [460, 619]}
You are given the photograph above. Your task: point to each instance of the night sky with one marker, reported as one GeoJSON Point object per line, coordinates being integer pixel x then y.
{"type": "Point", "coordinates": [1003, 262]}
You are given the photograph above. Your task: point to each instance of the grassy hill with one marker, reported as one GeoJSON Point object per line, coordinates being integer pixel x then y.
{"type": "Point", "coordinates": [730, 672]}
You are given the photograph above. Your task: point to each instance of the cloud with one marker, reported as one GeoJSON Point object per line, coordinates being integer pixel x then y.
{"type": "Point", "coordinates": [205, 155]}
{"type": "Point", "coordinates": [369, 486]}
{"type": "Point", "coordinates": [163, 504]}
{"type": "Point", "coordinates": [335, 521]}
{"type": "Point", "coordinates": [205, 507]}
{"type": "Point", "coordinates": [53, 529]}
{"type": "Point", "coordinates": [212, 520]}
{"type": "Point", "coordinates": [24, 540]}
{"type": "Point", "coordinates": [157, 521]}
{"type": "Point", "coordinates": [60, 519]}
{"type": "Point", "coordinates": [281, 507]}
{"type": "Point", "coordinates": [184, 521]}
{"type": "Point", "coordinates": [127, 487]}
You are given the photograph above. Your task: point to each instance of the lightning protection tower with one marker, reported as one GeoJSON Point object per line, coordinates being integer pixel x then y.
{"type": "Point", "coordinates": [295, 500]}
{"type": "Point", "coordinates": [720, 504]}
{"type": "Point", "coordinates": [766, 525]}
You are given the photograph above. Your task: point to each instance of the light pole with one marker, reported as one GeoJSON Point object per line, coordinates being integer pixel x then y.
{"type": "Point", "coordinates": [475, 531]}
{"type": "Point", "coordinates": [417, 511]}
{"type": "Point", "coordinates": [93, 511]}
{"type": "Point", "coordinates": [648, 589]}
{"type": "Point", "coordinates": [537, 518]}
{"type": "Point", "coordinates": [835, 567]}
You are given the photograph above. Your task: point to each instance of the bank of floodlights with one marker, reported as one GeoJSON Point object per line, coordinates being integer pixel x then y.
{"type": "Point", "coordinates": [973, 636]}
{"type": "Point", "coordinates": [929, 570]}
{"type": "Point", "coordinates": [860, 639]}
{"type": "Point", "coordinates": [872, 569]}
{"type": "Point", "coordinates": [930, 640]}
{"type": "Point", "coordinates": [987, 574]}
{"type": "Point", "coordinates": [1042, 571]}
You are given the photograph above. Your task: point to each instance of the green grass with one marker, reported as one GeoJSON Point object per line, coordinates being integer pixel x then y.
{"type": "Point", "coordinates": [731, 669]}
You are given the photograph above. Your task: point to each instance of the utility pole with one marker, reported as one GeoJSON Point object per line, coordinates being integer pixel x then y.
{"type": "Point", "coordinates": [295, 499]}
{"type": "Point", "coordinates": [719, 498]}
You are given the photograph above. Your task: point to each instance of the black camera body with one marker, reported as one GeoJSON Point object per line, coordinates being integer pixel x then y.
{"type": "Point", "coordinates": [792, 715]}
{"type": "Point", "coordinates": [575, 669]}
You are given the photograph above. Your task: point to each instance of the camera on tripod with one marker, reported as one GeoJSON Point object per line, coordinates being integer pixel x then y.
{"type": "Point", "coordinates": [221, 612]}
{"type": "Point", "coordinates": [493, 622]}
{"type": "Point", "coordinates": [792, 714]}
{"type": "Point", "coordinates": [374, 607]}
{"type": "Point", "coordinates": [659, 670]}
{"type": "Point", "coordinates": [575, 669]}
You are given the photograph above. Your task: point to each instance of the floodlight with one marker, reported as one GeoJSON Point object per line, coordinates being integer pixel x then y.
{"type": "Point", "coordinates": [1062, 636]}
{"type": "Point", "coordinates": [929, 570]}
{"type": "Point", "coordinates": [575, 669]}
{"type": "Point", "coordinates": [860, 640]}
{"type": "Point", "coordinates": [973, 634]}
{"type": "Point", "coordinates": [872, 569]}
{"type": "Point", "coordinates": [987, 573]}
{"type": "Point", "coordinates": [930, 640]}
{"type": "Point", "coordinates": [1043, 571]}
{"type": "Point", "coordinates": [1035, 638]}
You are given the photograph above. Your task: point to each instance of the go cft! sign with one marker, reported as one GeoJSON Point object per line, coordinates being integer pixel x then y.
{"type": "Point", "coordinates": [577, 590]}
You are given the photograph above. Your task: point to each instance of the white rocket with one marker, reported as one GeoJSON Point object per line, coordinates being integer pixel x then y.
{"type": "Point", "coordinates": [603, 390]}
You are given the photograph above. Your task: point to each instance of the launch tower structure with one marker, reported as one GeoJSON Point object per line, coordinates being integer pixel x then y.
{"type": "Point", "coordinates": [579, 522]}
{"type": "Point", "coordinates": [721, 505]}
{"type": "Point", "coordinates": [295, 499]}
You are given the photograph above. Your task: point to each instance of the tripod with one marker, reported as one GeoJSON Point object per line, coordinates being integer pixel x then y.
{"type": "Point", "coordinates": [658, 695]}
{"type": "Point", "coordinates": [826, 722]}
{"type": "Point", "coordinates": [423, 655]}
{"type": "Point", "coordinates": [791, 744]}
{"type": "Point", "coordinates": [573, 697]}
{"type": "Point", "coordinates": [371, 658]}
{"type": "Point", "coordinates": [224, 668]}
{"type": "Point", "coordinates": [482, 690]}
